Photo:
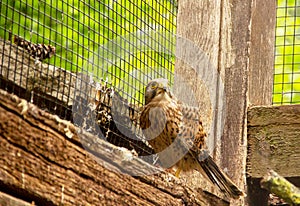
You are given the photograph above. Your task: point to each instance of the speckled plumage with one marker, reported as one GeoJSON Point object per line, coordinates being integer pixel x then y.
{"type": "Point", "coordinates": [168, 123]}
{"type": "Point", "coordinates": [37, 51]}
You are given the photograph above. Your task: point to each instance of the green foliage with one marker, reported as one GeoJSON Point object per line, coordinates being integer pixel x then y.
{"type": "Point", "coordinates": [82, 30]}
{"type": "Point", "coordinates": [287, 60]}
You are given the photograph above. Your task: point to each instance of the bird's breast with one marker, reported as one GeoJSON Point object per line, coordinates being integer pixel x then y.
{"type": "Point", "coordinates": [160, 124]}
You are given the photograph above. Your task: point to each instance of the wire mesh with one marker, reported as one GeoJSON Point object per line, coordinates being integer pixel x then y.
{"type": "Point", "coordinates": [62, 55]}
{"type": "Point", "coordinates": [287, 53]}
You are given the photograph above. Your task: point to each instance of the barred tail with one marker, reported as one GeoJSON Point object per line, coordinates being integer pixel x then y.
{"type": "Point", "coordinates": [219, 178]}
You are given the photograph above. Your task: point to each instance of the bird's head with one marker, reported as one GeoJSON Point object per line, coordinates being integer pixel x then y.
{"type": "Point", "coordinates": [157, 90]}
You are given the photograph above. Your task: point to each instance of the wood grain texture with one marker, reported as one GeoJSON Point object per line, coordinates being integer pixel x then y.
{"type": "Point", "coordinates": [196, 53]}
{"type": "Point", "coordinates": [273, 141]}
{"type": "Point", "coordinates": [236, 68]}
{"type": "Point", "coordinates": [8, 200]}
{"type": "Point", "coordinates": [221, 30]}
{"type": "Point", "coordinates": [237, 37]}
{"type": "Point", "coordinates": [261, 65]}
{"type": "Point", "coordinates": [261, 68]}
{"type": "Point", "coordinates": [43, 159]}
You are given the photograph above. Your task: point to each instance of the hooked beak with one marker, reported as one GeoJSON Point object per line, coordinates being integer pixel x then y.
{"type": "Point", "coordinates": [166, 89]}
{"type": "Point", "coordinates": [161, 86]}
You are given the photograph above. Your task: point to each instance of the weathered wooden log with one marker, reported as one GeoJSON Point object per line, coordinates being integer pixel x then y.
{"type": "Point", "coordinates": [9, 200]}
{"type": "Point", "coordinates": [278, 185]}
{"type": "Point", "coordinates": [42, 160]}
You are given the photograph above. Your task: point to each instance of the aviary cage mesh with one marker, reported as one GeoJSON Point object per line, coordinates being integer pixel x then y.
{"type": "Point", "coordinates": [102, 49]}
{"type": "Point", "coordinates": [287, 53]}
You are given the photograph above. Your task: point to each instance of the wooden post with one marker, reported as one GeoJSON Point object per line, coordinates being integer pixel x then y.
{"type": "Point", "coordinates": [273, 138]}
{"type": "Point", "coordinates": [238, 39]}
{"type": "Point", "coordinates": [261, 69]}
{"type": "Point", "coordinates": [261, 65]}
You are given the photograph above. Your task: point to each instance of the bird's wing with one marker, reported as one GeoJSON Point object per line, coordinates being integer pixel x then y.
{"type": "Point", "coordinates": [192, 129]}
{"type": "Point", "coordinates": [195, 140]}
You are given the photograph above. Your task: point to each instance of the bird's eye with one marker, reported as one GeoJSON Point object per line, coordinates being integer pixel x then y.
{"type": "Point", "coordinates": [153, 86]}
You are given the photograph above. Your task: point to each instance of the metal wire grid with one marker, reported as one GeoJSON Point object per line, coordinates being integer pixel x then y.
{"type": "Point", "coordinates": [89, 36]}
{"type": "Point", "coordinates": [287, 53]}
{"type": "Point", "coordinates": [123, 43]}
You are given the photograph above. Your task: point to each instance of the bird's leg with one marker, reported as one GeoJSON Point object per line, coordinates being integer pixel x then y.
{"type": "Point", "coordinates": [177, 173]}
{"type": "Point", "coordinates": [179, 168]}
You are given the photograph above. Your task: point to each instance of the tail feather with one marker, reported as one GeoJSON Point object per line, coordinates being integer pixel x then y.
{"type": "Point", "coordinates": [219, 178]}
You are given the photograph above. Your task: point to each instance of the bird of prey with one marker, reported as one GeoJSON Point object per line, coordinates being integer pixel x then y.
{"type": "Point", "coordinates": [172, 126]}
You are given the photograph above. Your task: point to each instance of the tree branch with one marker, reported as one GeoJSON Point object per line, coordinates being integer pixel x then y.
{"type": "Point", "coordinates": [281, 187]}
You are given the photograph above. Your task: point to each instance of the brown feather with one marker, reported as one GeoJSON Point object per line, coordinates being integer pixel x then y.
{"type": "Point", "coordinates": [178, 127]}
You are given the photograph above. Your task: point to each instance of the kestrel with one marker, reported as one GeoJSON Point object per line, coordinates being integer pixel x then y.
{"type": "Point", "coordinates": [175, 132]}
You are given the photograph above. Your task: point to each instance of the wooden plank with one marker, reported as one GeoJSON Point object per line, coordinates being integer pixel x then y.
{"type": "Point", "coordinates": [261, 68]}
{"type": "Point", "coordinates": [9, 200]}
{"type": "Point", "coordinates": [221, 30]}
{"type": "Point", "coordinates": [247, 57]}
{"type": "Point", "coordinates": [261, 65]}
{"type": "Point", "coordinates": [237, 18]}
{"type": "Point", "coordinates": [233, 36]}
{"type": "Point", "coordinates": [273, 140]}
{"type": "Point", "coordinates": [197, 46]}
{"type": "Point", "coordinates": [43, 157]}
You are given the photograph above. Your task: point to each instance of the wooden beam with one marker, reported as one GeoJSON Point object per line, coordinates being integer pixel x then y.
{"type": "Point", "coordinates": [273, 140]}
{"type": "Point", "coordinates": [9, 200]}
{"type": "Point", "coordinates": [44, 159]}
{"type": "Point", "coordinates": [261, 62]}
{"type": "Point", "coordinates": [197, 57]}
{"type": "Point", "coordinates": [234, 62]}
{"type": "Point", "coordinates": [222, 31]}
{"type": "Point", "coordinates": [238, 39]}
{"type": "Point", "coordinates": [261, 69]}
